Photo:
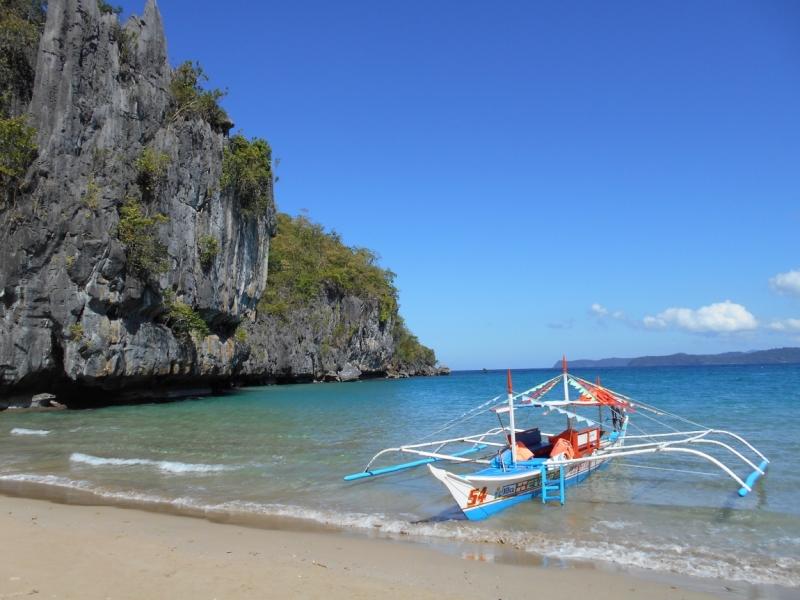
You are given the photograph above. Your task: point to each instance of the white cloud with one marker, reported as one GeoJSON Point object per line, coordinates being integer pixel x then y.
{"type": "Point", "coordinates": [598, 310]}
{"type": "Point", "coordinates": [790, 325]}
{"type": "Point", "coordinates": [721, 317]}
{"type": "Point", "coordinates": [601, 311]}
{"type": "Point", "coordinates": [787, 284]}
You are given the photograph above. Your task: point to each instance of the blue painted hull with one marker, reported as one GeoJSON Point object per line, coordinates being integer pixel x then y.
{"type": "Point", "coordinates": [482, 511]}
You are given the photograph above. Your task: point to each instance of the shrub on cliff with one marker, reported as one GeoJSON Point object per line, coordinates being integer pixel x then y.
{"type": "Point", "coordinates": [138, 233]}
{"type": "Point", "coordinates": [247, 169]}
{"type": "Point", "coordinates": [151, 169]}
{"type": "Point", "coordinates": [17, 151]}
{"type": "Point", "coordinates": [181, 318]}
{"type": "Point", "coordinates": [304, 258]}
{"type": "Point", "coordinates": [108, 9]}
{"type": "Point", "coordinates": [208, 246]}
{"type": "Point", "coordinates": [21, 26]}
{"type": "Point", "coordinates": [194, 100]}
{"type": "Point", "coordinates": [408, 348]}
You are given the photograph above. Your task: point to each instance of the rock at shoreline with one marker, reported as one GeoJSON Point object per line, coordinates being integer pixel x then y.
{"type": "Point", "coordinates": [42, 400]}
{"type": "Point", "coordinates": [349, 373]}
{"type": "Point", "coordinates": [74, 314]}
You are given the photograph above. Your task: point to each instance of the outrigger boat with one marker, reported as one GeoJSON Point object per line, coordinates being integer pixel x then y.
{"type": "Point", "coordinates": [544, 464]}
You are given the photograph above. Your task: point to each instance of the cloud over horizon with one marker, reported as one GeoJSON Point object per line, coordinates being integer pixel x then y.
{"type": "Point", "coordinates": [786, 284]}
{"type": "Point", "coordinates": [785, 325]}
{"type": "Point", "coordinates": [721, 317]}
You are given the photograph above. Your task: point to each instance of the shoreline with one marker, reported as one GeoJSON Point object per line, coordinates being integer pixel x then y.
{"type": "Point", "coordinates": [381, 564]}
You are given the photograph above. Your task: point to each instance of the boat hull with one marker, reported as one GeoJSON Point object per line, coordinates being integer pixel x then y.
{"type": "Point", "coordinates": [482, 494]}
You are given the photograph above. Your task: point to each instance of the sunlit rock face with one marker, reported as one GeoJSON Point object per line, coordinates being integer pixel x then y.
{"type": "Point", "coordinates": [73, 315]}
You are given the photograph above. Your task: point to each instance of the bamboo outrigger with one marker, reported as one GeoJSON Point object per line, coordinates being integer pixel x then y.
{"type": "Point", "coordinates": [545, 464]}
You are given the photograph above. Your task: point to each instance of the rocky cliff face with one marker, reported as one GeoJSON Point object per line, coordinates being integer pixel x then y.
{"type": "Point", "coordinates": [73, 313]}
{"type": "Point", "coordinates": [337, 337]}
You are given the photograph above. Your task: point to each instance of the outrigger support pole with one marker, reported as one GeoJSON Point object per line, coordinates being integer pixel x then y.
{"type": "Point", "coordinates": [513, 438]}
{"type": "Point", "coordinates": [409, 465]}
{"type": "Point", "coordinates": [566, 388]}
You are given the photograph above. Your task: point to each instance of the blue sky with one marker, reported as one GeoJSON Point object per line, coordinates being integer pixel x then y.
{"type": "Point", "coordinates": [593, 179]}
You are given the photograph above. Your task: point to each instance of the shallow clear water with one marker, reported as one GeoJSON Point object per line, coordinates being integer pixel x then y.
{"type": "Point", "coordinates": [284, 450]}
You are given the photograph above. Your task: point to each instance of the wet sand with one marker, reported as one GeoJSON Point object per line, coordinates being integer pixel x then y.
{"type": "Point", "coordinates": [66, 551]}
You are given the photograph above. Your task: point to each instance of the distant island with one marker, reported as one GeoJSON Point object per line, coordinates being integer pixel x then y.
{"type": "Point", "coordinates": [759, 357]}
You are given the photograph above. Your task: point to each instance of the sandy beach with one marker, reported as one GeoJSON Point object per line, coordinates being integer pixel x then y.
{"type": "Point", "coordinates": [65, 551]}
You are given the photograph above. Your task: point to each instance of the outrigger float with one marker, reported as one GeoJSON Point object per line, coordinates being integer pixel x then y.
{"type": "Point", "coordinates": [542, 464]}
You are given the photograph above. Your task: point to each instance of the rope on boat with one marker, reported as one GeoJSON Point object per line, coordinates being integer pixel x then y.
{"type": "Point", "coordinates": [466, 416]}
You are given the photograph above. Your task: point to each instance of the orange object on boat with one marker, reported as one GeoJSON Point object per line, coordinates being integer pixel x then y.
{"type": "Point", "coordinates": [522, 452]}
{"type": "Point", "coordinates": [562, 446]}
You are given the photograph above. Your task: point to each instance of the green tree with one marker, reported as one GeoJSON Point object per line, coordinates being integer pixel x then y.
{"type": "Point", "coordinates": [247, 170]}
{"type": "Point", "coordinates": [305, 259]}
{"type": "Point", "coordinates": [17, 152]}
{"type": "Point", "coordinates": [138, 233]}
{"type": "Point", "coordinates": [151, 169]}
{"type": "Point", "coordinates": [194, 100]}
{"type": "Point", "coordinates": [182, 319]}
{"type": "Point", "coordinates": [408, 348]}
{"type": "Point", "coordinates": [209, 248]}
{"type": "Point", "coordinates": [21, 26]}
{"type": "Point", "coordinates": [106, 8]}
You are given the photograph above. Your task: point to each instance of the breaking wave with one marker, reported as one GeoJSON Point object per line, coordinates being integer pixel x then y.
{"type": "Point", "coordinates": [164, 465]}
{"type": "Point", "coordinates": [22, 431]}
{"type": "Point", "coordinates": [693, 561]}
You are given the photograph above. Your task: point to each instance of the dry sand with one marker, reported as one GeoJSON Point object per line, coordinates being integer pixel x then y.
{"type": "Point", "coordinates": [64, 551]}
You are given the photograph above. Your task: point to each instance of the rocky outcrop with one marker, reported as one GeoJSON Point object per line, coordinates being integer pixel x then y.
{"type": "Point", "coordinates": [399, 369]}
{"type": "Point", "coordinates": [335, 338]}
{"type": "Point", "coordinates": [73, 316]}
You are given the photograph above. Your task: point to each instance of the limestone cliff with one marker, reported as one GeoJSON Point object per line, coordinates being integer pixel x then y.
{"type": "Point", "coordinates": [75, 315]}
{"type": "Point", "coordinates": [335, 335]}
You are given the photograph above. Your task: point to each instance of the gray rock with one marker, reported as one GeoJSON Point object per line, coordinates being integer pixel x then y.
{"type": "Point", "coordinates": [317, 341]}
{"type": "Point", "coordinates": [70, 313]}
{"type": "Point", "coordinates": [42, 400]}
{"type": "Point", "coordinates": [349, 373]}
{"type": "Point", "coordinates": [443, 370]}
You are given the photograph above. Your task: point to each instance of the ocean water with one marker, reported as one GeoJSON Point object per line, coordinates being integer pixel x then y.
{"type": "Point", "coordinates": [283, 450]}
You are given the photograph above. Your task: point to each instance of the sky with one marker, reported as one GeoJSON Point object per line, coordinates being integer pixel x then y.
{"type": "Point", "coordinates": [595, 179]}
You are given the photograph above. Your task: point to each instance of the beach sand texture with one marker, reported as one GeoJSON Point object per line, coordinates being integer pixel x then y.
{"type": "Point", "coordinates": [66, 551]}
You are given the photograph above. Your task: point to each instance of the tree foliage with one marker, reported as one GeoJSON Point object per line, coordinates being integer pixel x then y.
{"type": "Point", "coordinates": [408, 348]}
{"type": "Point", "coordinates": [138, 233]}
{"type": "Point", "coordinates": [151, 169]}
{"type": "Point", "coordinates": [194, 100]}
{"type": "Point", "coordinates": [247, 169]}
{"type": "Point", "coordinates": [21, 26]}
{"type": "Point", "coordinates": [181, 318]}
{"type": "Point", "coordinates": [17, 152]}
{"type": "Point", "coordinates": [209, 248]}
{"type": "Point", "coordinates": [106, 8]}
{"type": "Point", "coordinates": [304, 259]}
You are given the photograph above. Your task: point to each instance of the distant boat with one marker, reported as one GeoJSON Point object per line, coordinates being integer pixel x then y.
{"type": "Point", "coordinates": [485, 371]}
{"type": "Point", "coordinates": [544, 464]}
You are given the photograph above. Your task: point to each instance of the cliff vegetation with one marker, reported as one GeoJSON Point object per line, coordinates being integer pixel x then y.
{"type": "Point", "coordinates": [330, 311]}
{"type": "Point", "coordinates": [136, 231]}
{"type": "Point", "coordinates": [305, 259]}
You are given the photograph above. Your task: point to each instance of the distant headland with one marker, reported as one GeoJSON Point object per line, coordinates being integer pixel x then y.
{"type": "Point", "coordinates": [759, 357]}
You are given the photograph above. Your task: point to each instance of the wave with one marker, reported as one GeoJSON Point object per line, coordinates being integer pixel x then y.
{"type": "Point", "coordinates": [696, 561]}
{"type": "Point", "coordinates": [164, 465]}
{"type": "Point", "coordinates": [22, 431]}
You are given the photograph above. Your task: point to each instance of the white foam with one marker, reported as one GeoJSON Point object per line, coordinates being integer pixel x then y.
{"type": "Point", "coordinates": [164, 465]}
{"type": "Point", "coordinates": [22, 431]}
{"type": "Point", "coordinates": [695, 561]}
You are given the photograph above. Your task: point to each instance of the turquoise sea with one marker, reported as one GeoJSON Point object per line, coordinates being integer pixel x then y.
{"type": "Point", "coordinates": [281, 451]}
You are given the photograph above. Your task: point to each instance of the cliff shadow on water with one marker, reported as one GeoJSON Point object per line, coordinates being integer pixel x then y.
{"type": "Point", "coordinates": [136, 231]}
